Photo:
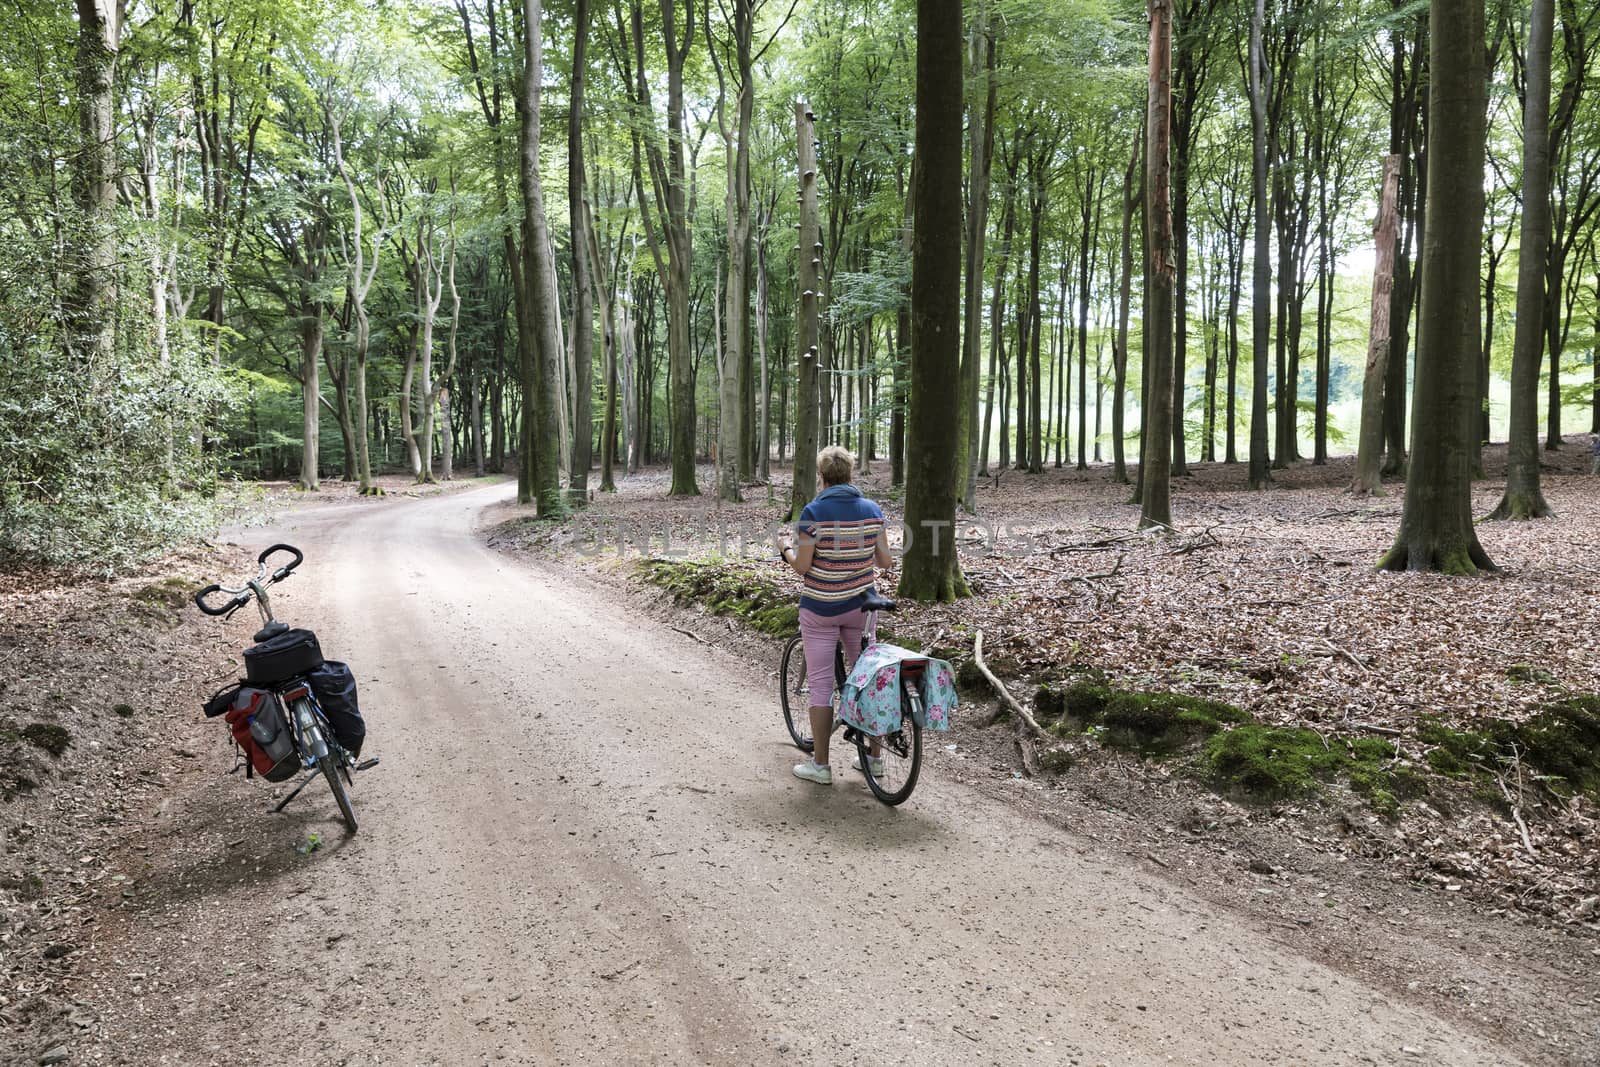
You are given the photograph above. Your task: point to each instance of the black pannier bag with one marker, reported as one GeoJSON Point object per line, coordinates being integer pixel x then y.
{"type": "Point", "coordinates": [291, 653]}
{"type": "Point", "coordinates": [335, 686]}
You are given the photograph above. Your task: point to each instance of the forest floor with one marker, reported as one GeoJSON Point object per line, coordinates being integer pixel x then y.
{"type": "Point", "coordinates": [1420, 752]}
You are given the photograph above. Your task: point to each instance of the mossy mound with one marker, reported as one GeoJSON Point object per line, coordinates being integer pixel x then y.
{"type": "Point", "coordinates": [725, 589]}
{"type": "Point", "coordinates": [1279, 762]}
{"type": "Point", "coordinates": [1153, 724]}
{"type": "Point", "coordinates": [172, 592]}
{"type": "Point", "coordinates": [1561, 742]}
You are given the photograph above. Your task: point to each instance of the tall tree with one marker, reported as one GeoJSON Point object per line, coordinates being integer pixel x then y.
{"type": "Point", "coordinates": [1258, 76]}
{"type": "Point", "coordinates": [93, 323]}
{"type": "Point", "coordinates": [538, 264]}
{"type": "Point", "coordinates": [1436, 529]}
{"type": "Point", "coordinates": [931, 569]}
{"type": "Point", "coordinates": [1523, 497]}
{"type": "Point", "coordinates": [806, 406]}
{"type": "Point", "coordinates": [581, 334]}
{"type": "Point", "coordinates": [1155, 503]}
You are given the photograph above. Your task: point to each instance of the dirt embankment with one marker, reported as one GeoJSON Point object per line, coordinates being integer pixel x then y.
{"type": "Point", "coordinates": [97, 679]}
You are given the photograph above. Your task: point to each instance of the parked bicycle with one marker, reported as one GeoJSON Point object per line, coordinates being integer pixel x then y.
{"type": "Point", "coordinates": [293, 711]}
{"type": "Point", "coordinates": [890, 762]}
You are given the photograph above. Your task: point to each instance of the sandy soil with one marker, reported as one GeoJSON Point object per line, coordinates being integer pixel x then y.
{"type": "Point", "coordinates": [584, 845]}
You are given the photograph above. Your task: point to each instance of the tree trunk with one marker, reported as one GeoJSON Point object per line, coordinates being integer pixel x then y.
{"type": "Point", "coordinates": [1119, 354]}
{"type": "Point", "coordinates": [1260, 299]}
{"type": "Point", "coordinates": [806, 407]}
{"type": "Point", "coordinates": [1436, 529]}
{"type": "Point", "coordinates": [582, 455]}
{"type": "Point", "coordinates": [1155, 473]}
{"type": "Point", "coordinates": [92, 318]}
{"type": "Point", "coordinates": [981, 153]}
{"type": "Point", "coordinates": [1523, 497]}
{"type": "Point", "coordinates": [931, 569]}
{"type": "Point", "coordinates": [538, 264]}
{"type": "Point", "coordinates": [1369, 447]}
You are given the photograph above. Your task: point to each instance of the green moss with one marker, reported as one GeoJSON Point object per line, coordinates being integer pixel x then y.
{"type": "Point", "coordinates": [123, 710]}
{"type": "Point", "coordinates": [969, 678]}
{"type": "Point", "coordinates": [1561, 741]}
{"type": "Point", "coordinates": [726, 589]}
{"type": "Point", "coordinates": [48, 736]}
{"type": "Point", "coordinates": [1453, 753]}
{"type": "Point", "coordinates": [1145, 722]}
{"type": "Point", "coordinates": [172, 592]}
{"type": "Point", "coordinates": [1527, 672]}
{"type": "Point", "coordinates": [1056, 761]}
{"type": "Point", "coordinates": [1271, 761]}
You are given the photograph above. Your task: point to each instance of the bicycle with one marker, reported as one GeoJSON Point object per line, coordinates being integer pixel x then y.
{"type": "Point", "coordinates": [892, 772]}
{"type": "Point", "coordinates": [312, 734]}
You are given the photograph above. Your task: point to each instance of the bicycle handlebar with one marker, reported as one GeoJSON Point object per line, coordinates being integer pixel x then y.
{"type": "Point", "coordinates": [245, 593]}
{"type": "Point", "coordinates": [282, 572]}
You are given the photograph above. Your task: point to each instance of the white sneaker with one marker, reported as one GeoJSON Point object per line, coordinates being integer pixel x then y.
{"type": "Point", "coordinates": [813, 773]}
{"type": "Point", "coordinates": [875, 761]}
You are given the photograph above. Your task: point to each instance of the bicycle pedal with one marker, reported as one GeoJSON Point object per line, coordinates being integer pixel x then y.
{"type": "Point", "coordinates": [367, 764]}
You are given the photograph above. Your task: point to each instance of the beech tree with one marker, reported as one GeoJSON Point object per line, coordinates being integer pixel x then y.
{"type": "Point", "coordinates": [931, 569]}
{"type": "Point", "coordinates": [1436, 529]}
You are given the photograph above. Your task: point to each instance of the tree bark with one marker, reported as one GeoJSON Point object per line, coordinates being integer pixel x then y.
{"type": "Point", "coordinates": [980, 149]}
{"type": "Point", "coordinates": [1155, 501]}
{"type": "Point", "coordinates": [1436, 530]}
{"type": "Point", "coordinates": [809, 260]}
{"type": "Point", "coordinates": [538, 264]}
{"type": "Point", "coordinates": [1260, 300]}
{"type": "Point", "coordinates": [932, 568]}
{"type": "Point", "coordinates": [1119, 354]}
{"type": "Point", "coordinates": [1369, 447]}
{"type": "Point", "coordinates": [1523, 498]}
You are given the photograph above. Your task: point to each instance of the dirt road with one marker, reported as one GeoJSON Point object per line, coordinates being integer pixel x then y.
{"type": "Point", "coordinates": [584, 845]}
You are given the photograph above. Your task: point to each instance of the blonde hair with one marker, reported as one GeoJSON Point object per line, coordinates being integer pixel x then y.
{"type": "Point", "coordinates": [835, 465]}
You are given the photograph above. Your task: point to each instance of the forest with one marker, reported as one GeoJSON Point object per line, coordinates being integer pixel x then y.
{"type": "Point", "coordinates": [315, 239]}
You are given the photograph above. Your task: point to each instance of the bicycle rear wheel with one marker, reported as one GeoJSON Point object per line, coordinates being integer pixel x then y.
{"type": "Point", "coordinates": [794, 689]}
{"type": "Point", "coordinates": [330, 770]}
{"type": "Point", "coordinates": [892, 774]}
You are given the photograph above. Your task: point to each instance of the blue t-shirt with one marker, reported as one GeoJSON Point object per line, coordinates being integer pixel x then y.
{"type": "Point", "coordinates": [846, 526]}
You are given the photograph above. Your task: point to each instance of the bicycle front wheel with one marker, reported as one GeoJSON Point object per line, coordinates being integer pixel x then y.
{"type": "Point", "coordinates": [794, 689]}
{"type": "Point", "coordinates": [892, 774]}
{"type": "Point", "coordinates": [330, 771]}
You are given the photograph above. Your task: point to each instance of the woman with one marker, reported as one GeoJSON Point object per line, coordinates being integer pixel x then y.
{"type": "Point", "coordinates": [840, 546]}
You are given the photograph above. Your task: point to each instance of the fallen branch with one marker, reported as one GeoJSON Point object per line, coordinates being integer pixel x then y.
{"type": "Point", "coordinates": [1374, 728]}
{"type": "Point", "coordinates": [686, 633]}
{"type": "Point", "coordinates": [1000, 690]}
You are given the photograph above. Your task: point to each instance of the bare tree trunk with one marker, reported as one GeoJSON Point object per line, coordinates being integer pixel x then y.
{"type": "Point", "coordinates": [538, 263]}
{"type": "Point", "coordinates": [1261, 310]}
{"type": "Point", "coordinates": [1436, 530]}
{"type": "Point", "coordinates": [981, 152]}
{"type": "Point", "coordinates": [931, 569]}
{"type": "Point", "coordinates": [1119, 354]}
{"type": "Point", "coordinates": [92, 318]}
{"type": "Point", "coordinates": [1369, 447]}
{"type": "Point", "coordinates": [582, 456]}
{"type": "Point", "coordinates": [1155, 501]}
{"type": "Point", "coordinates": [809, 261]}
{"type": "Point", "coordinates": [1523, 497]}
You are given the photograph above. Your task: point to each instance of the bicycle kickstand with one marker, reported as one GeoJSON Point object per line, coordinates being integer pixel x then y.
{"type": "Point", "coordinates": [296, 791]}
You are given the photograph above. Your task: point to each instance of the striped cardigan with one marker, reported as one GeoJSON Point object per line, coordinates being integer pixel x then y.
{"type": "Point", "coordinates": [846, 527]}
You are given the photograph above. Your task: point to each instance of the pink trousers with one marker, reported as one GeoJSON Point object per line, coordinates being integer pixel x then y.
{"type": "Point", "coordinates": [820, 635]}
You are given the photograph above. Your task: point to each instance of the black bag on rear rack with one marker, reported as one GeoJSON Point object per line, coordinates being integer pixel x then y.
{"type": "Point", "coordinates": [335, 687]}
{"type": "Point", "coordinates": [288, 655]}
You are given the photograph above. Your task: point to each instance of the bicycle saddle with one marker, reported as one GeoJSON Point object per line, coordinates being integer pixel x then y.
{"type": "Point", "coordinates": [874, 602]}
{"type": "Point", "coordinates": [271, 630]}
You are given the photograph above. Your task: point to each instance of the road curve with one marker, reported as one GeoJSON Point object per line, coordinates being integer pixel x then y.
{"type": "Point", "coordinates": [584, 845]}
